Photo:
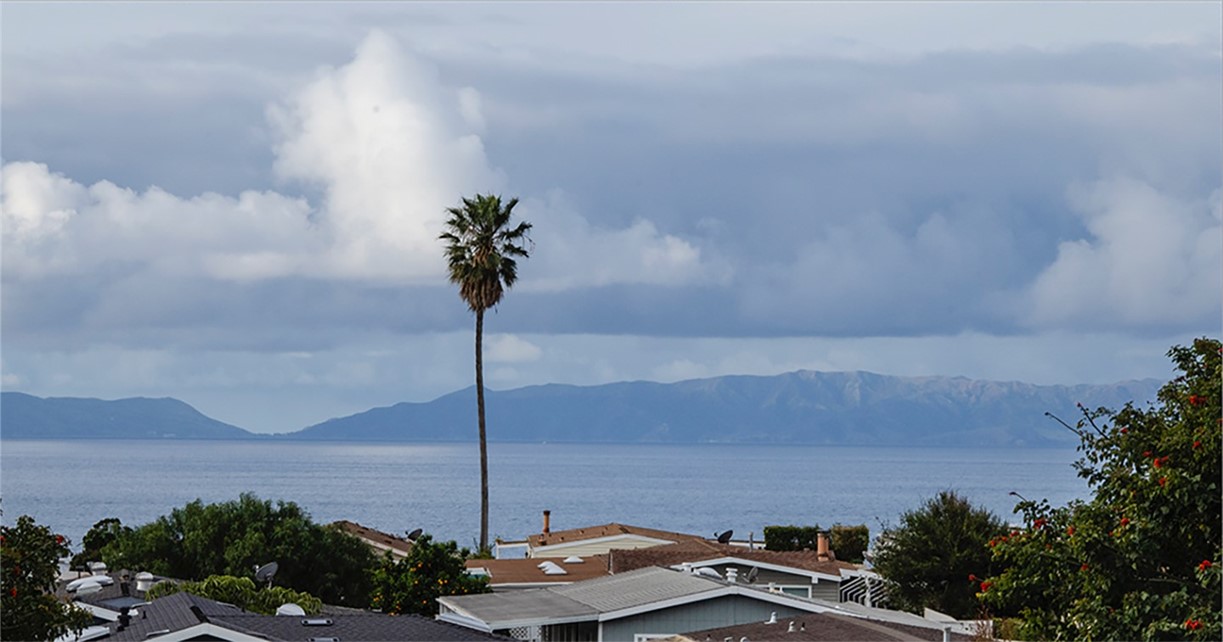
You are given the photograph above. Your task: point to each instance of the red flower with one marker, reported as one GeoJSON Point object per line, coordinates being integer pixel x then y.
{"type": "Point", "coordinates": [972, 578]}
{"type": "Point", "coordinates": [1070, 531]}
{"type": "Point", "coordinates": [59, 539]}
{"type": "Point", "coordinates": [13, 591]}
{"type": "Point", "coordinates": [1195, 400]}
{"type": "Point", "coordinates": [1125, 521]}
{"type": "Point", "coordinates": [1146, 453]}
{"type": "Point", "coordinates": [1197, 444]}
{"type": "Point", "coordinates": [1039, 523]}
{"type": "Point", "coordinates": [1205, 565]}
{"type": "Point", "coordinates": [1124, 430]}
{"type": "Point", "coordinates": [1163, 481]}
{"type": "Point", "coordinates": [1160, 461]}
{"type": "Point", "coordinates": [985, 586]}
{"type": "Point", "coordinates": [1193, 625]}
{"type": "Point", "coordinates": [1083, 567]}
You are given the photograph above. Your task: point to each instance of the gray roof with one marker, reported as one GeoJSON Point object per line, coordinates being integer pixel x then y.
{"type": "Point", "coordinates": [173, 613]}
{"type": "Point", "coordinates": [584, 600]}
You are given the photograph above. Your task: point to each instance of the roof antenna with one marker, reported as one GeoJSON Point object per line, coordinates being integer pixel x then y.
{"type": "Point", "coordinates": [752, 572]}
{"type": "Point", "coordinates": [724, 538]}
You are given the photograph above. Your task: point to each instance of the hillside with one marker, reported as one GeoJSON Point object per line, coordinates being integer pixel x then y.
{"type": "Point", "coordinates": [841, 408]}
{"type": "Point", "coordinates": [25, 416]}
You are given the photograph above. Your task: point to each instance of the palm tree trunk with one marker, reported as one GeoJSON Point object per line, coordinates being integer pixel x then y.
{"type": "Point", "coordinates": [483, 437]}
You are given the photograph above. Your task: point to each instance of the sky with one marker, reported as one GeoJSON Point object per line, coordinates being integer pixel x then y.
{"type": "Point", "coordinates": [237, 204]}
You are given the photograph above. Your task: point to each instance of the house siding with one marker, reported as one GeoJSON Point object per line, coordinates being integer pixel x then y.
{"type": "Point", "coordinates": [723, 611]}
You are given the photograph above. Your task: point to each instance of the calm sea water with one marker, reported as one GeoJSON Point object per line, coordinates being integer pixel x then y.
{"type": "Point", "coordinates": [701, 489]}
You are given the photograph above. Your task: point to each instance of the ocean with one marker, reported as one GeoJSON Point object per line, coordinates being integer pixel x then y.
{"type": "Point", "coordinates": [701, 489]}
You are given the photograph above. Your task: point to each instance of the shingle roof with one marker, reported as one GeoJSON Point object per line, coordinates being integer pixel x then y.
{"type": "Point", "coordinates": [377, 538]}
{"type": "Point", "coordinates": [605, 530]}
{"type": "Point", "coordinates": [527, 571]}
{"type": "Point", "coordinates": [701, 550]}
{"type": "Point", "coordinates": [823, 627]}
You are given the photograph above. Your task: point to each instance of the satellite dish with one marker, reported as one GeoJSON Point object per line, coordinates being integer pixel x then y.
{"type": "Point", "coordinates": [724, 538]}
{"type": "Point", "coordinates": [290, 609]}
{"type": "Point", "coordinates": [266, 572]}
{"type": "Point", "coordinates": [415, 534]}
{"type": "Point", "coordinates": [750, 578]}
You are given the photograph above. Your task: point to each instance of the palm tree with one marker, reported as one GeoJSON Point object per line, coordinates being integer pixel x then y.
{"type": "Point", "coordinates": [480, 252]}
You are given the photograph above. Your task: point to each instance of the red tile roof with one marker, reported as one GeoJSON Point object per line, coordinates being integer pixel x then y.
{"type": "Point", "coordinates": [606, 530]}
{"type": "Point", "coordinates": [376, 537]}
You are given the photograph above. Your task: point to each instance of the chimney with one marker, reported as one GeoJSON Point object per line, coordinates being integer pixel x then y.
{"type": "Point", "coordinates": [732, 575]}
{"type": "Point", "coordinates": [547, 522]}
{"type": "Point", "coordinates": [821, 547]}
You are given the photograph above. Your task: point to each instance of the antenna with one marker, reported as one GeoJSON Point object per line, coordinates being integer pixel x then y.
{"type": "Point", "coordinates": [724, 538]}
{"type": "Point", "coordinates": [412, 535]}
{"type": "Point", "coordinates": [266, 572]}
{"type": "Point", "coordinates": [750, 578]}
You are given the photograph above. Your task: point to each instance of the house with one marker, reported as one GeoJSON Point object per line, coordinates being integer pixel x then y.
{"type": "Point", "coordinates": [511, 574]}
{"type": "Point", "coordinates": [183, 617]}
{"type": "Point", "coordinates": [597, 540]}
{"type": "Point", "coordinates": [381, 542]}
{"type": "Point", "coordinates": [639, 605]}
{"type": "Point", "coordinates": [823, 627]}
{"type": "Point", "coordinates": [800, 573]}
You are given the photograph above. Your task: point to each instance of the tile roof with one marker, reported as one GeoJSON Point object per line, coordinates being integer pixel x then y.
{"type": "Point", "coordinates": [702, 550]}
{"type": "Point", "coordinates": [605, 530]}
{"type": "Point", "coordinates": [380, 540]}
{"type": "Point", "coordinates": [527, 571]}
{"type": "Point", "coordinates": [823, 627]}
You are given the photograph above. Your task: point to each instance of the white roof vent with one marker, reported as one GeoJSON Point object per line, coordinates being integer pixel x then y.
{"type": "Point", "coordinates": [290, 609]}
{"type": "Point", "coordinates": [551, 568]}
{"type": "Point", "coordinates": [97, 568]}
{"type": "Point", "coordinates": [573, 559]}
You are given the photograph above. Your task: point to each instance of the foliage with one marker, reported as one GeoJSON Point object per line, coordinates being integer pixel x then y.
{"type": "Point", "coordinates": [933, 558]}
{"type": "Point", "coordinates": [241, 592]}
{"type": "Point", "coordinates": [104, 531]}
{"type": "Point", "coordinates": [431, 570]}
{"type": "Point", "coordinates": [481, 252]}
{"type": "Point", "coordinates": [791, 538]}
{"type": "Point", "coordinates": [849, 542]}
{"type": "Point", "coordinates": [29, 568]}
{"type": "Point", "coordinates": [234, 537]}
{"type": "Point", "coordinates": [1140, 560]}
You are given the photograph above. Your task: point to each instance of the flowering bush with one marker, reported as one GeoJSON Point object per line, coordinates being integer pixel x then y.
{"type": "Point", "coordinates": [29, 568]}
{"type": "Point", "coordinates": [431, 570]}
{"type": "Point", "coordinates": [1139, 560]}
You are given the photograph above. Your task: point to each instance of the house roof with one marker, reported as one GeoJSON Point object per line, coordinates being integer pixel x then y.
{"type": "Point", "coordinates": [606, 530]}
{"type": "Point", "coordinates": [702, 550]}
{"type": "Point", "coordinates": [173, 614]}
{"type": "Point", "coordinates": [822, 627]}
{"type": "Point", "coordinates": [376, 538]}
{"type": "Point", "coordinates": [528, 571]}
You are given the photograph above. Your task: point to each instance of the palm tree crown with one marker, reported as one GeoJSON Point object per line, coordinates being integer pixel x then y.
{"type": "Point", "coordinates": [480, 250]}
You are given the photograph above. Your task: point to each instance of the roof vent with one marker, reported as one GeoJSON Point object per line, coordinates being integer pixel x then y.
{"type": "Point", "coordinates": [573, 559]}
{"type": "Point", "coordinates": [290, 609]}
{"type": "Point", "coordinates": [551, 568]}
{"type": "Point", "coordinates": [144, 581]}
{"type": "Point", "coordinates": [317, 621]}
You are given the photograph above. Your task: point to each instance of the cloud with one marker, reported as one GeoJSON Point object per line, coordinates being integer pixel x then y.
{"type": "Point", "coordinates": [508, 348]}
{"type": "Point", "coordinates": [388, 146]}
{"type": "Point", "coordinates": [1151, 259]}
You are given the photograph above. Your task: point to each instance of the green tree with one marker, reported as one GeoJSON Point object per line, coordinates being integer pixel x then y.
{"type": "Point", "coordinates": [431, 570]}
{"type": "Point", "coordinates": [936, 554]}
{"type": "Point", "coordinates": [1140, 559]}
{"type": "Point", "coordinates": [850, 542]}
{"type": "Point", "coordinates": [104, 531]}
{"type": "Point", "coordinates": [481, 248]}
{"type": "Point", "coordinates": [29, 568]}
{"type": "Point", "coordinates": [241, 592]}
{"type": "Point", "coordinates": [232, 538]}
{"type": "Point", "coordinates": [791, 538]}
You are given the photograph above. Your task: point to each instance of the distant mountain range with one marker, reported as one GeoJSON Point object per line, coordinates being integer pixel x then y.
{"type": "Point", "coordinates": [804, 407]}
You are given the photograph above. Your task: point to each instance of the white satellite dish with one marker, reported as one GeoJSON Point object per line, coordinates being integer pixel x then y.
{"type": "Point", "coordinates": [290, 609]}
{"type": "Point", "coordinates": [266, 572]}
